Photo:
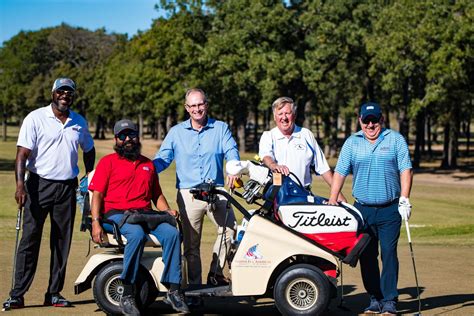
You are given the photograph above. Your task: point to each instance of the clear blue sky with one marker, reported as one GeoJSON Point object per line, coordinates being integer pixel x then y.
{"type": "Point", "coordinates": [120, 16]}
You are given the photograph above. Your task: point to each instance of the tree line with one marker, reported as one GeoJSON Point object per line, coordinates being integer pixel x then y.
{"type": "Point", "coordinates": [415, 58]}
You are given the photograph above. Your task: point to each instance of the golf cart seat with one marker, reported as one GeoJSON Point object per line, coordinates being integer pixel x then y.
{"type": "Point", "coordinates": [113, 238]}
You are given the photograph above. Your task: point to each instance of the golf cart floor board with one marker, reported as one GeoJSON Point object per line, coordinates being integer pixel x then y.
{"type": "Point", "coordinates": [210, 291]}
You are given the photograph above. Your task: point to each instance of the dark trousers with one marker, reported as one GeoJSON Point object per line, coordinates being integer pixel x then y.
{"type": "Point", "coordinates": [58, 199]}
{"type": "Point", "coordinates": [383, 224]}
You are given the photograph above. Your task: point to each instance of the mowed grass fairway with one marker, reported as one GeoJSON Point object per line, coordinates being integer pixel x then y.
{"type": "Point", "coordinates": [442, 228]}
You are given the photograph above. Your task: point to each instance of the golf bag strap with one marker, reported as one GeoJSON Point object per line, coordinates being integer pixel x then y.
{"type": "Point", "coordinates": [268, 205]}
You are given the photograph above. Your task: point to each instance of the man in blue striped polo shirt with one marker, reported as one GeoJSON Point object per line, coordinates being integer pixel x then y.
{"type": "Point", "coordinates": [379, 160]}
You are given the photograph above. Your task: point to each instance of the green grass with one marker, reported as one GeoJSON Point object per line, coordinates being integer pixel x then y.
{"type": "Point", "coordinates": [442, 213]}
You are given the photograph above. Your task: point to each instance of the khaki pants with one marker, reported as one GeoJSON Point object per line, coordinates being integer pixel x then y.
{"type": "Point", "coordinates": [192, 213]}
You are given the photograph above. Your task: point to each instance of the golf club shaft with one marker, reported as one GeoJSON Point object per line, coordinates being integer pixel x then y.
{"type": "Point", "coordinates": [414, 266]}
{"type": "Point", "coordinates": [407, 227]}
{"type": "Point", "coordinates": [17, 227]}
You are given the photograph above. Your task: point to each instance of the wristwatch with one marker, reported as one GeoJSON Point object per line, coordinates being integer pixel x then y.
{"type": "Point", "coordinates": [96, 219]}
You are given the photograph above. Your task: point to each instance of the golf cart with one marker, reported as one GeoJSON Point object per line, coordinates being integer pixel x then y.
{"type": "Point", "coordinates": [290, 249]}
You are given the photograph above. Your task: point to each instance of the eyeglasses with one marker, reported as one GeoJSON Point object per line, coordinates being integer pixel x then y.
{"type": "Point", "coordinates": [195, 106]}
{"type": "Point", "coordinates": [66, 92]}
{"type": "Point", "coordinates": [123, 136]}
{"type": "Point", "coordinates": [371, 119]}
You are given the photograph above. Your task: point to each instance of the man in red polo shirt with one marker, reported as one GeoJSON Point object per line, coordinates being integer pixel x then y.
{"type": "Point", "coordinates": [123, 181]}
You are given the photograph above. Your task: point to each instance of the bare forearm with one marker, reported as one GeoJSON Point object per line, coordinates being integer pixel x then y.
{"type": "Point", "coordinates": [20, 163]}
{"type": "Point", "coordinates": [162, 203]}
{"type": "Point", "coordinates": [269, 162]}
{"type": "Point", "coordinates": [274, 166]}
{"type": "Point", "coordinates": [97, 201]}
{"type": "Point", "coordinates": [328, 176]}
{"type": "Point", "coordinates": [406, 179]}
{"type": "Point", "coordinates": [20, 170]}
{"type": "Point", "coordinates": [336, 186]}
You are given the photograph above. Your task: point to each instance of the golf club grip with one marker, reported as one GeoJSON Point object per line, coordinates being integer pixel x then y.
{"type": "Point", "coordinates": [408, 231]}
{"type": "Point", "coordinates": [18, 218]}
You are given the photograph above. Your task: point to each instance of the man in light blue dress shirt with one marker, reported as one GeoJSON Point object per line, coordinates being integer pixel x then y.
{"type": "Point", "coordinates": [199, 146]}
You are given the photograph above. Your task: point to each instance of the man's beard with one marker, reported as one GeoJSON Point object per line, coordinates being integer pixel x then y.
{"type": "Point", "coordinates": [129, 153]}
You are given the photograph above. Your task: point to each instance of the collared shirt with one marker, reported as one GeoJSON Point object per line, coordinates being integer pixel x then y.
{"type": "Point", "coordinates": [199, 155]}
{"type": "Point", "coordinates": [376, 167]}
{"type": "Point", "coordinates": [54, 146]}
{"type": "Point", "coordinates": [126, 184]}
{"type": "Point", "coordinates": [299, 152]}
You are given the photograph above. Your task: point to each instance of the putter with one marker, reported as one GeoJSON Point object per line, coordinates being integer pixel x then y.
{"type": "Point", "coordinates": [414, 267]}
{"type": "Point", "coordinates": [18, 225]}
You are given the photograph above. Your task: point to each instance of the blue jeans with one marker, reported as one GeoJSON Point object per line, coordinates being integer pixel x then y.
{"type": "Point", "coordinates": [169, 239]}
{"type": "Point", "coordinates": [383, 225]}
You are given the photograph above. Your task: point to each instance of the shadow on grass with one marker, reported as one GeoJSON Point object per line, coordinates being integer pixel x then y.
{"type": "Point", "coordinates": [354, 304]}
{"type": "Point", "coordinates": [467, 169]}
{"type": "Point", "coordinates": [7, 164]}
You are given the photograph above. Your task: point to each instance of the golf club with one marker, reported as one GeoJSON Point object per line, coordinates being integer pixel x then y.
{"type": "Point", "coordinates": [18, 225]}
{"type": "Point", "coordinates": [414, 267]}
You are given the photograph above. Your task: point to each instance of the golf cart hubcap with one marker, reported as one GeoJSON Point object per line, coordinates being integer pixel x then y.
{"type": "Point", "coordinates": [301, 294]}
{"type": "Point", "coordinates": [114, 290]}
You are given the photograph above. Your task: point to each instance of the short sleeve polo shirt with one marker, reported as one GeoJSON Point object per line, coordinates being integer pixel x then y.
{"type": "Point", "coordinates": [298, 152]}
{"type": "Point", "coordinates": [126, 184]}
{"type": "Point", "coordinates": [376, 167]}
{"type": "Point", "coordinates": [54, 146]}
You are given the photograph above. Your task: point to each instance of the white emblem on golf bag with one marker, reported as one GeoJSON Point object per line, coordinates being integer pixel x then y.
{"type": "Point", "coordinates": [314, 219]}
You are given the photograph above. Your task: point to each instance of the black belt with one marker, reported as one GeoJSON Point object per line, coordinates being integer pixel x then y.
{"type": "Point", "coordinates": [36, 176]}
{"type": "Point", "coordinates": [380, 205]}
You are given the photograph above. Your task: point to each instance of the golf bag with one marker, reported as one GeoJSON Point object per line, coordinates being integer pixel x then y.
{"type": "Point", "coordinates": [337, 228]}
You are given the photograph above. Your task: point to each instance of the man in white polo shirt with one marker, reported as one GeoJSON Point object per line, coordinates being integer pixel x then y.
{"type": "Point", "coordinates": [47, 148]}
{"type": "Point", "coordinates": [291, 148]}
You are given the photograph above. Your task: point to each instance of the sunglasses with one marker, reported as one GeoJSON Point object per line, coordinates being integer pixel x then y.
{"type": "Point", "coordinates": [66, 92]}
{"type": "Point", "coordinates": [371, 119]}
{"type": "Point", "coordinates": [123, 136]}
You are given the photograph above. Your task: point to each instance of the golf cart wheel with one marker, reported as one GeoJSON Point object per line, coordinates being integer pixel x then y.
{"type": "Point", "coordinates": [108, 289]}
{"type": "Point", "coordinates": [302, 289]}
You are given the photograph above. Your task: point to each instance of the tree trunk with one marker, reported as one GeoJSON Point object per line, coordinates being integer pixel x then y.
{"type": "Point", "coordinates": [403, 118]}
{"type": "Point", "coordinates": [255, 129]}
{"type": "Point", "coordinates": [429, 136]}
{"type": "Point", "coordinates": [327, 134]}
{"type": "Point", "coordinates": [267, 116]}
{"type": "Point", "coordinates": [450, 144]}
{"type": "Point", "coordinates": [420, 128]}
{"type": "Point", "coordinates": [240, 116]}
{"type": "Point", "coordinates": [99, 128]}
{"type": "Point", "coordinates": [318, 127]}
{"type": "Point", "coordinates": [4, 126]}
{"type": "Point", "coordinates": [468, 137]}
{"type": "Point", "coordinates": [386, 117]}
{"type": "Point", "coordinates": [333, 137]}
{"type": "Point", "coordinates": [140, 125]}
{"type": "Point", "coordinates": [454, 140]}
{"type": "Point", "coordinates": [307, 113]}
{"type": "Point", "coordinates": [347, 126]}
